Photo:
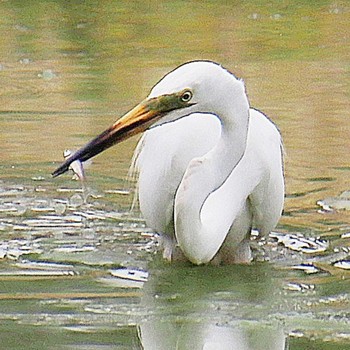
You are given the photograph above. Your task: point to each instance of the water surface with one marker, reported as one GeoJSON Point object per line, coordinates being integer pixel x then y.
{"type": "Point", "coordinates": [85, 275]}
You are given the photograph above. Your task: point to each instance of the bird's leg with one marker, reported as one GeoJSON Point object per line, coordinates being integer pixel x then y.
{"type": "Point", "coordinates": [243, 253]}
{"type": "Point", "coordinates": [171, 251]}
{"type": "Point", "coordinates": [168, 244]}
{"type": "Point", "coordinates": [234, 254]}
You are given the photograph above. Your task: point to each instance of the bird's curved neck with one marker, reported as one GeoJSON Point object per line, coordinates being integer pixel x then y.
{"type": "Point", "coordinates": [203, 177]}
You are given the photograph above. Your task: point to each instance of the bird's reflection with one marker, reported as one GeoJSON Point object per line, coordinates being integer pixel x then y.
{"type": "Point", "coordinates": [211, 308]}
{"type": "Point", "coordinates": [205, 335]}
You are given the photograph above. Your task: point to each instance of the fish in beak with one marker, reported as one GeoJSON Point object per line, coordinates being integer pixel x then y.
{"type": "Point", "coordinates": [132, 123]}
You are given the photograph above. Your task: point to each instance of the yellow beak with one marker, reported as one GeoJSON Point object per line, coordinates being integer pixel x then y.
{"type": "Point", "coordinates": [134, 122]}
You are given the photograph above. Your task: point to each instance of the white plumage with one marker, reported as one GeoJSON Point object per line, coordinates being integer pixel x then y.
{"type": "Point", "coordinates": [251, 195]}
{"type": "Point", "coordinates": [210, 167]}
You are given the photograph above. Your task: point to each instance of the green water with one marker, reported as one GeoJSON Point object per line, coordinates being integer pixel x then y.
{"type": "Point", "coordinates": [70, 69]}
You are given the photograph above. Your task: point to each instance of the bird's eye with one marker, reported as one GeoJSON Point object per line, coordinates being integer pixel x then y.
{"type": "Point", "coordinates": [186, 96]}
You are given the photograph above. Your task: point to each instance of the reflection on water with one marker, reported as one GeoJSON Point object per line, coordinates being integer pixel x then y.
{"type": "Point", "coordinates": [68, 70]}
{"type": "Point", "coordinates": [186, 310]}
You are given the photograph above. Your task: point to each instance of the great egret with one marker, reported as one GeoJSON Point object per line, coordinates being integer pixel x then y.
{"type": "Point", "coordinates": [210, 167]}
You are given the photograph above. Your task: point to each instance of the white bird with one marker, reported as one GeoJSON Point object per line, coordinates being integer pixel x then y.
{"type": "Point", "coordinates": [210, 167]}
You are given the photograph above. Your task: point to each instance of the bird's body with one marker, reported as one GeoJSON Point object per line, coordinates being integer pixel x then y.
{"type": "Point", "coordinates": [210, 167]}
{"type": "Point", "coordinates": [161, 170]}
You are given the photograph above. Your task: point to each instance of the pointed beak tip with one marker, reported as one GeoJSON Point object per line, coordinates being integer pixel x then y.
{"type": "Point", "coordinates": [60, 170]}
{"type": "Point", "coordinates": [54, 174]}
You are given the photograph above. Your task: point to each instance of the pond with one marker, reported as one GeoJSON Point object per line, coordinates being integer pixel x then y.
{"type": "Point", "coordinates": [82, 272]}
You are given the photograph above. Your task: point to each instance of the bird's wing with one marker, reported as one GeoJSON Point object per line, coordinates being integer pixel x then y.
{"type": "Point", "coordinates": [162, 157]}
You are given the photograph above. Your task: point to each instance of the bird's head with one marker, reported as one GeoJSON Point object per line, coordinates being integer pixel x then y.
{"type": "Point", "coordinates": [197, 86]}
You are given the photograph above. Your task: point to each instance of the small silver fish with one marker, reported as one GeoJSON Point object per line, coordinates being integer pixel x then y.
{"type": "Point", "coordinates": [77, 166]}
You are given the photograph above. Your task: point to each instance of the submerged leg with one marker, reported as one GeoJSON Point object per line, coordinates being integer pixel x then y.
{"type": "Point", "coordinates": [227, 255]}
{"type": "Point", "coordinates": [171, 251]}
{"type": "Point", "coordinates": [168, 244]}
{"type": "Point", "coordinates": [243, 253]}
